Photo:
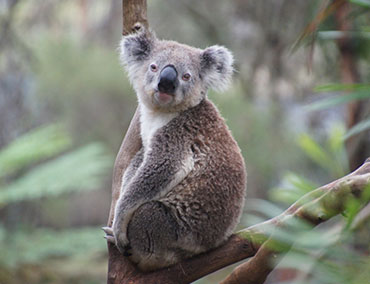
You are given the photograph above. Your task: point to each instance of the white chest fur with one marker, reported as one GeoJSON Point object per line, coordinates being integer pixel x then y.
{"type": "Point", "coordinates": [151, 121]}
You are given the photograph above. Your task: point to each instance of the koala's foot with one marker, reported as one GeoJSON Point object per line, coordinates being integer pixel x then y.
{"type": "Point", "coordinates": [154, 233]}
{"type": "Point", "coordinates": [109, 236]}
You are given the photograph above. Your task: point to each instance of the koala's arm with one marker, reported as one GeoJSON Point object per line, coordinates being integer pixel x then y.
{"type": "Point", "coordinates": [161, 170]}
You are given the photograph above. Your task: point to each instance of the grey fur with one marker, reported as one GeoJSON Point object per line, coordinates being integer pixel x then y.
{"type": "Point", "coordinates": [184, 191]}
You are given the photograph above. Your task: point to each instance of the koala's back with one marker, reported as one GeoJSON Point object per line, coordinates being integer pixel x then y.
{"type": "Point", "coordinates": [207, 204]}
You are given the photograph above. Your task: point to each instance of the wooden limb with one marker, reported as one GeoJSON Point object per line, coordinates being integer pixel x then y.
{"type": "Point", "coordinates": [131, 144]}
{"type": "Point", "coordinates": [330, 200]}
{"type": "Point", "coordinates": [355, 145]}
{"type": "Point", "coordinates": [119, 268]}
{"type": "Point", "coordinates": [134, 14]}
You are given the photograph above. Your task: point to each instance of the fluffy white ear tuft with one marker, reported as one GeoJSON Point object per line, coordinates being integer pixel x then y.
{"type": "Point", "coordinates": [136, 47]}
{"type": "Point", "coordinates": [217, 67]}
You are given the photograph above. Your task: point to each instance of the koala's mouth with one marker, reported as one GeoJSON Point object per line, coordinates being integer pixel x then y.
{"type": "Point", "coordinates": [163, 98]}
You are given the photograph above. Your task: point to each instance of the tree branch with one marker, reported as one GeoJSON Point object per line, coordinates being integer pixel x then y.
{"type": "Point", "coordinates": [120, 269]}
{"type": "Point", "coordinates": [315, 208]}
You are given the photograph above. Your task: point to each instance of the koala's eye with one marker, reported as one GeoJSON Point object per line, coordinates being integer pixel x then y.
{"type": "Point", "coordinates": [153, 67]}
{"type": "Point", "coordinates": [186, 77]}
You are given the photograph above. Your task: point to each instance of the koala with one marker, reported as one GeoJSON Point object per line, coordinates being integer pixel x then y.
{"type": "Point", "coordinates": [184, 191]}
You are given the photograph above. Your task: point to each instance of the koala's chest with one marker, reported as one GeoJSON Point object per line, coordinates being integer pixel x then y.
{"type": "Point", "coordinates": [150, 122]}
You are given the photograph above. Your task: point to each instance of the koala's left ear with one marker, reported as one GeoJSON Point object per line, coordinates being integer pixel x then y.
{"type": "Point", "coordinates": [136, 47]}
{"type": "Point", "coordinates": [216, 67]}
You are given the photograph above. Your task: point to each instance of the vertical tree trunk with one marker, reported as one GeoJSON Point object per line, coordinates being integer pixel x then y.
{"type": "Point", "coordinates": [119, 268]}
{"type": "Point", "coordinates": [349, 75]}
{"type": "Point", "coordinates": [133, 12]}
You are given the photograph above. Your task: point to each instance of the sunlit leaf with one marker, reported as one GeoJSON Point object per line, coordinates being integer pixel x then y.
{"type": "Point", "coordinates": [337, 148]}
{"type": "Point", "coordinates": [292, 188]}
{"type": "Point", "coordinates": [315, 152]}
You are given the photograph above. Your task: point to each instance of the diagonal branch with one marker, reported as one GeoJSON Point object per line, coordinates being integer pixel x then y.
{"type": "Point", "coordinates": [327, 202]}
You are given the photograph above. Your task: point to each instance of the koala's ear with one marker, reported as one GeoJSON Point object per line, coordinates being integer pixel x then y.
{"type": "Point", "coordinates": [136, 47]}
{"type": "Point", "coordinates": [216, 67]}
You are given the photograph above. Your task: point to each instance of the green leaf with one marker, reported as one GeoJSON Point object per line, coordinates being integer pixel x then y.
{"type": "Point", "coordinates": [78, 170]}
{"type": "Point", "coordinates": [335, 35]}
{"type": "Point", "coordinates": [315, 152]}
{"type": "Point", "coordinates": [339, 99]}
{"type": "Point", "coordinates": [337, 149]}
{"type": "Point", "coordinates": [265, 207]}
{"type": "Point", "coordinates": [41, 143]}
{"type": "Point", "coordinates": [335, 140]}
{"type": "Point", "coordinates": [34, 246]}
{"type": "Point", "coordinates": [363, 3]}
{"type": "Point", "coordinates": [359, 127]}
{"type": "Point", "coordinates": [293, 187]}
{"type": "Point", "coordinates": [341, 87]}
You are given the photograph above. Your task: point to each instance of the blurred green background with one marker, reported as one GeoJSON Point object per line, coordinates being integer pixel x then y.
{"type": "Point", "coordinates": [299, 117]}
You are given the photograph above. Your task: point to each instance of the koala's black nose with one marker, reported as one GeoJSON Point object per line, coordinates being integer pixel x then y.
{"type": "Point", "coordinates": [168, 80]}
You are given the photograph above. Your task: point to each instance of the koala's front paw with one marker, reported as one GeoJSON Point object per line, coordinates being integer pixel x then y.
{"type": "Point", "coordinates": [125, 249]}
{"type": "Point", "coordinates": [109, 236]}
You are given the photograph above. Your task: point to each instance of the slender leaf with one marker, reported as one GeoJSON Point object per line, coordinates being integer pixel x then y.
{"type": "Point", "coordinates": [337, 100]}
{"type": "Point", "coordinates": [335, 35]}
{"type": "Point", "coordinates": [315, 152]}
{"type": "Point", "coordinates": [363, 3]}
{"type": "Point", "coordinates": [360, 127]}
{"type": "Point", "coordinates": [293, 187]}
{"type": "Point", "coordinates": [341, 87]}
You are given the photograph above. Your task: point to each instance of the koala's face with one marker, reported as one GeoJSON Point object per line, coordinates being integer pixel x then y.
{"type": "Point", "coordinates": [169, 76]}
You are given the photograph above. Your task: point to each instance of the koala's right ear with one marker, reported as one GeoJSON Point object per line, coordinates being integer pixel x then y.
{"type": "Point", "coordinates": [136, 47]}
{"type": "Point", "coordinates": [216, 67]}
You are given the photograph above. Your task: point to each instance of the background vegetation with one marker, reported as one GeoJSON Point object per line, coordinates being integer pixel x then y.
{"type": "Point", "coordinates": [298, 108]}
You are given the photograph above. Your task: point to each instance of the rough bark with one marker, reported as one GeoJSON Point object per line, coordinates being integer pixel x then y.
{"type": "Point", "coordinates": [315, 208]}
{"type": "Point", "coordinates": [134, 15]}
{"type": "Point", "coordinates": [120, 269]}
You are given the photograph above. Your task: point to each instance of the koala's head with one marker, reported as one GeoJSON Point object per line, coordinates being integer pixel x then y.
{"type": "Point", "coordinates": [169, 76]}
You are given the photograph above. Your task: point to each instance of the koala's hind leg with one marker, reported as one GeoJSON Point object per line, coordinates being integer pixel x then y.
{"type": "Point", "coordinates": [153, 233]}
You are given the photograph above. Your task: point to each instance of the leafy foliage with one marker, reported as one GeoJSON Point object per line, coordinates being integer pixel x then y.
{"type": "Point", "coordinates": [37, 245]}
{"type": "Point", "coordinates": [80, 169]}
{"type": "Point", "coordinates": [38, 144]}
{"type": "Point", "coordinates": [39, 165]}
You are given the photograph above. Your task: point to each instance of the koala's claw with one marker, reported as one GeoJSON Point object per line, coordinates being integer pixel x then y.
{"type": "Point", "coordinates": [108, 230]}
{"type": "Point", "coordinates": [109, 235]}
{"type": "Point", "coordinates": [110, 239]}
